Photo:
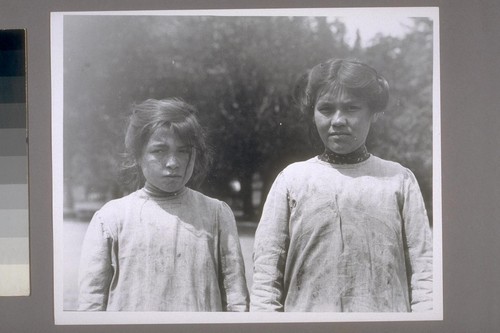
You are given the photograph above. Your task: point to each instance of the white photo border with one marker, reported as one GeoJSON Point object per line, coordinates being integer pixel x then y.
{"type": "Point", "coordinates": [63, 317]}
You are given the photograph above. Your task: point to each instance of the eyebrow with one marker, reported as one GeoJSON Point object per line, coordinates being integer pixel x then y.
{"type": "Point", "coordinates": [161, 145]}
{"type": "Point", "coordinates": [344, 102]}
{"type": "Point", "coordinates": [157, 144]}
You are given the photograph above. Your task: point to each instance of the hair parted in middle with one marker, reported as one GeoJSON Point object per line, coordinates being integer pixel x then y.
{"type": "Point", "coordinates": [338, 75]}
{"type": "Point", "coordinates": [174, 114]}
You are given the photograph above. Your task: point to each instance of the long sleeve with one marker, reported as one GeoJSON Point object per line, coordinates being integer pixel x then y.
{"type": "Point", "coordinates": [270, 251]}
{"type": "Point", "coordinates": [232, 283]}
{"type": "Point", "coordinates": [419, 242]}
{"type": "Point", "coordinates": [96, 270]}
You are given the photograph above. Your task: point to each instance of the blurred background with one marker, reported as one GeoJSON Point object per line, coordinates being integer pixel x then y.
{"type": "Point", "coordinates": [239, 72]}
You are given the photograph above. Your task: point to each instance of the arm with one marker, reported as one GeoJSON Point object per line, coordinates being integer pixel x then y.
{"type": "Point", "coordinates": [419, 246]}
{"type": "Point", "coordinates": [95, 267]}
{"type": "Point", "coordinates": [270, 251]}
{"type": "Point", "coordinates": [232, 281]}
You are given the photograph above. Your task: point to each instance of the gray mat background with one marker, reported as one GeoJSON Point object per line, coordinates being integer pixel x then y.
{"type": "Point", "coordinates": [470, 81]}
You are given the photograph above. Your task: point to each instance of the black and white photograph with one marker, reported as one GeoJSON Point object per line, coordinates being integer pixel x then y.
{"type": "Point", "coordinates": [227, 166]}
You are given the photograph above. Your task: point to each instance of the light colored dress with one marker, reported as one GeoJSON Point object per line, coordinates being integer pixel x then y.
{"type": "Point", "coordinates": [351, 238]}
{"type": "Point", "coordinates": [180, 253]}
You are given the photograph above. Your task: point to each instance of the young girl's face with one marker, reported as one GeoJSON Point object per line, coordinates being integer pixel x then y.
{"type": "Point", "coordinates": [342, 121]}
{"type": "Point", "coordinates": [167, 162]}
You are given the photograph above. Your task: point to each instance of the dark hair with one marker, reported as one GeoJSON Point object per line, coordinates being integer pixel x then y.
{"type": "Point", "coordinates": [356, 78]}
{"type": "Point", "coordinates": [174, 114]}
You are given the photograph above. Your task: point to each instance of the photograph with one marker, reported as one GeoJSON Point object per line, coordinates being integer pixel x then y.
{"type": "Point", "coordinates": [238, 166]}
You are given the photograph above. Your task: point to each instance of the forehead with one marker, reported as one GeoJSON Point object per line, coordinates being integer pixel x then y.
{"type": "Point", "coordinates": [338, 96]}
{"type": "Point", "coordinates": [165, 136]}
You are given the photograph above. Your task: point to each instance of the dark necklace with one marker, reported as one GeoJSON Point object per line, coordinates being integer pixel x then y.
{"type": "Point", "coordinates": [359, 155]}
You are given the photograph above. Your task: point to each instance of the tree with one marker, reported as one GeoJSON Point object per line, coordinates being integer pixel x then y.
{"type": "Point", "coordinates": [239, 72]}
{"type": "Point", "coordinates": [404, 133]}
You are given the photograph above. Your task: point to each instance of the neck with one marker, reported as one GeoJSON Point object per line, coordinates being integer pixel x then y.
{"type": "Point", "coordinates": [157, 193]}
{"type": "Point", "coordinates": [359, 155]}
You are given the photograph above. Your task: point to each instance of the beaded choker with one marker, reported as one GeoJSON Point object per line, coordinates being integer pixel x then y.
{"type": "Point", "coordinates": [359, 155]}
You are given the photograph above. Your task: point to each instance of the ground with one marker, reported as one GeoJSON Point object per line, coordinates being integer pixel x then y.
{"type": "Point", "coordinates": [74, 232]}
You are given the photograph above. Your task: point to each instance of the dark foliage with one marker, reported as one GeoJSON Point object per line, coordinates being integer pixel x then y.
{"type": "Point", "coordinates": [239, 72]}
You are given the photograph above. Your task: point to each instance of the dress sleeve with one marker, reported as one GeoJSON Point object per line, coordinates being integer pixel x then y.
{"type": "Point", "coordinates": [232, 281]}
{"type": "Point", "coordinates": [270, 251]}
{"type": "Point", "coordinates": [96, 270]}
{"type": "Point", "coordinates": [419, 246]}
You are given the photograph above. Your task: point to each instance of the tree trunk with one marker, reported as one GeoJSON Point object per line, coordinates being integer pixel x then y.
{"type": "Point", "coordinates": [246, 196]}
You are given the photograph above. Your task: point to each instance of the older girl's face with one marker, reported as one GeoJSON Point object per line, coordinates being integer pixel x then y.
{"type": "Point", "coordinates": [343, 121]}
{"type": "Point", "coordinates": [167, 162]}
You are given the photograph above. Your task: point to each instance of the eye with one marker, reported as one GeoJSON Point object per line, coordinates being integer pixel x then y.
{"type": "Point", "coordinates": [352, 107]}
{"type": "Point", "coordinates": [157, 151]}
{"type": "Point", "coordinates": [185, 150]}
{"type": "Point", "coordinates": [324, 110]}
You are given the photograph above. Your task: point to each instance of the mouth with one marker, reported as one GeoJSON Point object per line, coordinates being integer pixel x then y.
{"type": "Point", "coordinates": [338, 134]}
{"type": "Point", "coordinates": [172, 176]}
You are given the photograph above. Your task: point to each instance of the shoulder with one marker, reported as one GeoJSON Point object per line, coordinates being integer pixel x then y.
{"type": "Point", "coordinates": [302, 168]}
{"type": "Point", "coordinates": [297, 173]}
{"type": "Point", "coordinates": [116, 207]}
{"type": "Point", "coordinates": [111, 215]}
{"type": "Point", "coordinates": [203, 201]}
{"type": "Point", "coordinates": [393, 170]}
{"type": "Point", "coordinates": [386, 166]}
{"type": "Point", "coordinates": [301, 165]}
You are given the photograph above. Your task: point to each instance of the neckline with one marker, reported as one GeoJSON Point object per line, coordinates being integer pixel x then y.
{"type": "Point", "coordinates": [164, 195]}
{"type": "Point", "coordinates": [359, 155]}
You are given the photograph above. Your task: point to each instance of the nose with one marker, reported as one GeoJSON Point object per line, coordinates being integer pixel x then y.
{"type": "Point", "coordinates": [338, 118]}
{"type": "Point", "coordinates": [171, 162]}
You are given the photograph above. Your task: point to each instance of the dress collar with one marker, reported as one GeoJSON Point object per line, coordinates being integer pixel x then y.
{"type": "Point", "coordinates": [359, 155]}
{"type": "Point", "coordinates": [158, 194]}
